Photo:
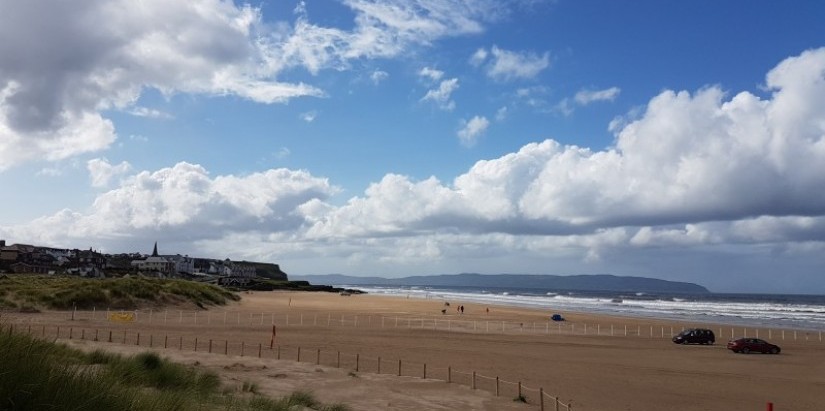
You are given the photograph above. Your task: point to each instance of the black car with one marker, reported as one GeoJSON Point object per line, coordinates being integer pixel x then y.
{"type": "Point", "coordinates": [695, 336]}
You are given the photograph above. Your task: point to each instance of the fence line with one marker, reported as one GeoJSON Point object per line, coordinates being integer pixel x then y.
{"type": "Point", "coordinates": [353, 361]}
{"type": "Point", "coordinates": [252, 319]}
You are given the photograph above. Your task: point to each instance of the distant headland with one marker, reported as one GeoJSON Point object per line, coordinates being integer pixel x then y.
{"type": "Point", "coordinates": [594, 282]}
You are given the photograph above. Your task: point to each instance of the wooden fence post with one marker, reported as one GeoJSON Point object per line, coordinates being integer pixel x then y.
{"type": "Point", "coordinates": [151, 340]}
{"type": "Point", "coordinates": [243, 346]}
{"type": "Point", "coordinates": [318, 357]}
{"type": "Point", "coordinates": [96, 330]}
{"type": "Point", "coordinates": [519, 389]}
{"type": "Point", "coordinates": [279, 352]}
{"type": "Point", "coordinates": [338, 364]}
{"type": "Point", "coordinates": [137, 340]}
{"type": "Point", "coordinates": [71, 331]}
{"type": "Point", "coordinates": [357, 362]}
{"type": "Point", "coordinates": [196, 343]}
{"type": "Point", "coordinates": [299, 354]}
{"type": "Point", "coordinates": [181, 343]}
{"type": "Point", "coordinates": [474, 380]}
{"type": "Point", "coordinates": [399, 368]}
{"type": "Point", "coordinates": [210, 346]}
{"type": "Point", "coordinates": [110, 335]}
{"type": "Point", "coordinates": [379, 365]}
{"type": "Point", "coordinates": [425, 371]}
{"type": "Point", "coordinates": [82, 333]}
{"type": "Point", "coordinates": [449, 374]}
{"type": "Point", "coordinates": [166, 341]}
{"type": "Point", "coordinates": [259, 349]}
{"type": "Point", "coordinates": [497, 387]}
{"type": "Point", "coordinates": [541, 399]}
{"type": "Point", "coordinates": [226, 347]}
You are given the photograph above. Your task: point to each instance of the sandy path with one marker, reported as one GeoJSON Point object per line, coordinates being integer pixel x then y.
{"type": "Point", "coordinates": [598, 372]}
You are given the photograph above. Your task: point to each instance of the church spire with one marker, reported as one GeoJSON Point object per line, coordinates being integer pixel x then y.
{"type": "Point", "coordinates": [155, 251]}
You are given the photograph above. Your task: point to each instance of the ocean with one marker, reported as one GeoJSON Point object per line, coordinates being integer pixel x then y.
{"type": "Point", "coordinates": [804, 312]}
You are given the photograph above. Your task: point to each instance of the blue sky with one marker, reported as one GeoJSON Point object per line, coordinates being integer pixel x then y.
{"type": "Point", "coordinates": [678, 140]}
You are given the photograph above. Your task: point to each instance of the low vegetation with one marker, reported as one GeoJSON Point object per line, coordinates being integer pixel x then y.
{"type": "Point", "coordinates": [262, 284]}
{"type": "Point", "coordinates": [30, 292]}
{"type": "Point", "coordinates": [39, 375]}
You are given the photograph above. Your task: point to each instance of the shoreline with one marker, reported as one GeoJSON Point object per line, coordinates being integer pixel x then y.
{"type": "Point", "coordinates": [629, 307]}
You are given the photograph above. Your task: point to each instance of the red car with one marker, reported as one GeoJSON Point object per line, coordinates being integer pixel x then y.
{"type": "Point", "coordinates": [748, 345]}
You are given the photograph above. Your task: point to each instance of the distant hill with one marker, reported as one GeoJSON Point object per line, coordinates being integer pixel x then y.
{"type": "Point", "coordinates": [596, 282]}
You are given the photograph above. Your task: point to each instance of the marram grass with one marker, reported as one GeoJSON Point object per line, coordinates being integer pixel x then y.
{"type": "Point", "coordinates": [43, 375]}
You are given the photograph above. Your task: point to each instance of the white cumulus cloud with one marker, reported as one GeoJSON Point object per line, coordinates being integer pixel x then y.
{"type": "Point", "coordinates": [585, 97]}
{"type": "Point", "coordinates": [506, 65]}
{"type": "Point", "coordinates": [472, 130]}
{"type": "Point", "coordinates": [101, 171]}
{"type": "Point", "coordinates": [443, 94]}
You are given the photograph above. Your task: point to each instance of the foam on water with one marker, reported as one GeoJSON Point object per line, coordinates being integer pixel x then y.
{"type": "Point", "coordinates": [763, 311]}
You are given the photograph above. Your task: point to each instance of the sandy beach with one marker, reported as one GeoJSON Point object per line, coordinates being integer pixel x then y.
{"type": "Point", "coordinates": [595, 362]}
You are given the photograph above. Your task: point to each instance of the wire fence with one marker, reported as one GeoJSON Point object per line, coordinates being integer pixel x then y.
{"type": "Point", "coordinates": [355, 362]}
{"type": "Point", "coordinates": [438, 323]}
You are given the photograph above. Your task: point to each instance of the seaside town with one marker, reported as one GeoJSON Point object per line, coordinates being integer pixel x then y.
{"type": "Point", "coordinates": [32, 259]}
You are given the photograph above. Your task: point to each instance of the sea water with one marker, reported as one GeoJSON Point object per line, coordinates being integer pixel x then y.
{"type": "Point", "coordinates": [805, 312]}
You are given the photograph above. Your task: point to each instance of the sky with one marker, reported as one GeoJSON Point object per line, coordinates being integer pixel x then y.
{"type": "Point", "coordinates": [674, 140]}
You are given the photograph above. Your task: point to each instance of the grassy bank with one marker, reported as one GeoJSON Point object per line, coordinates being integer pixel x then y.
{"type": "Point", "coordinates": [30, 292]}
{"type": "Point", "coordinates": [39, 374]}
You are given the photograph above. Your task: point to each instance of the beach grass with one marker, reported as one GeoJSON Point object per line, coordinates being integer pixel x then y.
{"type": "Point", "coordinates": [32, 292]}
{"type": "Point", "coordinates": [38, 374]}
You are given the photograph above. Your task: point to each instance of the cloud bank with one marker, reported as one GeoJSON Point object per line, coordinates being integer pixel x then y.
{"type": "Point", "coordinates": [61, 70]}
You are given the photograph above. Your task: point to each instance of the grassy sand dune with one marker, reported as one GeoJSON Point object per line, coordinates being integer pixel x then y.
{"type": "Point", "coordinates": [31, 293]}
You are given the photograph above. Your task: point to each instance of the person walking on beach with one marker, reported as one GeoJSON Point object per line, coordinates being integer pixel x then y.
{"type": "Point", "coordinates": [462, 309]}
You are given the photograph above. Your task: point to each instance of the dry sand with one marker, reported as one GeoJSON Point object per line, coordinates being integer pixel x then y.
{"type": "Point", "coordinates": [595, 372]}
